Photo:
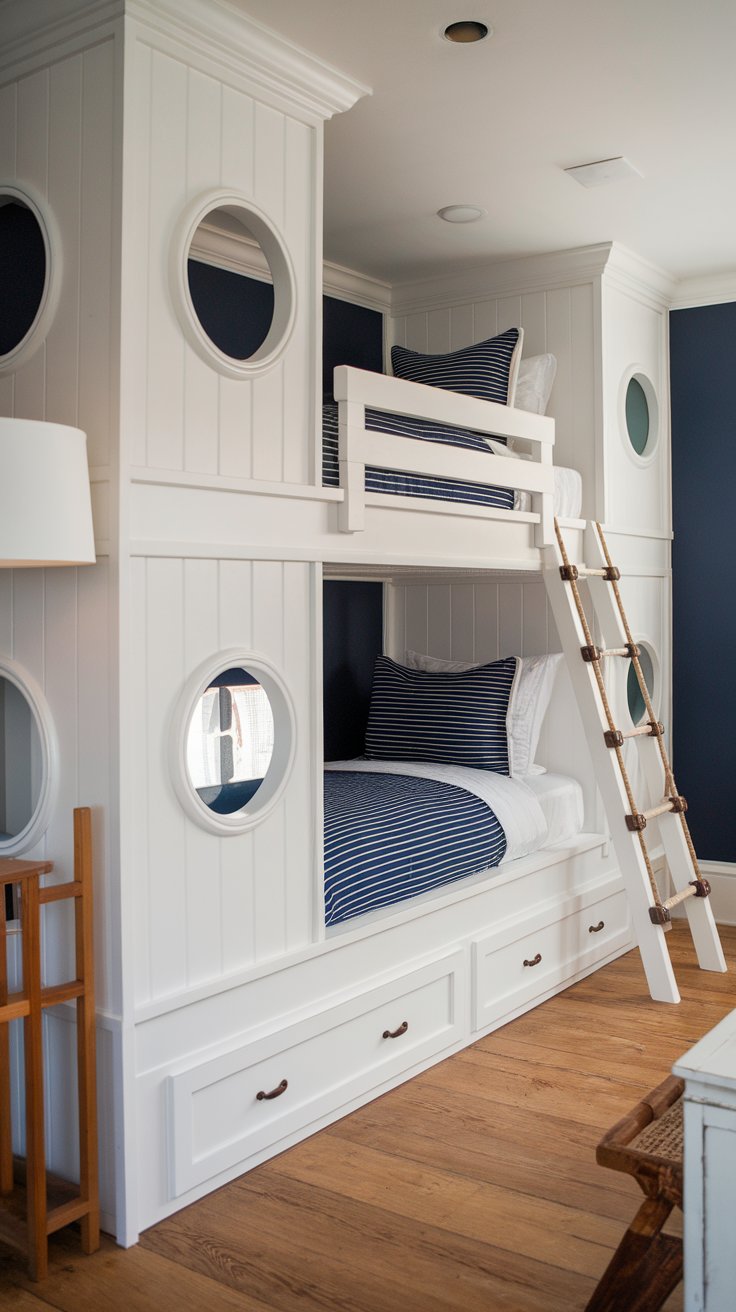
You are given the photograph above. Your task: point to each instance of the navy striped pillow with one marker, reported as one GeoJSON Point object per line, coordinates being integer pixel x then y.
{"type": "Point", "coordinates": [457, 718]}
{"type": "Point", "coordinates": [486, 369]}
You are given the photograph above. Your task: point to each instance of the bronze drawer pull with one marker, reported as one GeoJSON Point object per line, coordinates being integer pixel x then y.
{"type": "Point", "coordinates": [396, 1034]}
{"type": "Point", "coordinates": [275, 1093]}
{"type": "Point", "coordinates": [534, 961]}
{"type": "Point", "coordinates": [596, 929]}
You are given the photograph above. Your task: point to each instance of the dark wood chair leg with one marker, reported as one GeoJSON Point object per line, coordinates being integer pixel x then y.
{"type": "Point", "coordinates": [646, 1266]}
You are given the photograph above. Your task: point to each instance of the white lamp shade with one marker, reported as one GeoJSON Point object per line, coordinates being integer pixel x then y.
{"type": "Point", "coordinates": [45, 506]}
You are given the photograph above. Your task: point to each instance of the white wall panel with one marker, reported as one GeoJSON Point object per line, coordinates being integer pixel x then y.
{"type": "Point", "coordinates": [209, 905]}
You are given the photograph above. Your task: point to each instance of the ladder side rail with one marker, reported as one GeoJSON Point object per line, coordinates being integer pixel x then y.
{"type": "Point", "coordinates": [677, 852]}
{"type": "Point", "coordinates": [651, 938]}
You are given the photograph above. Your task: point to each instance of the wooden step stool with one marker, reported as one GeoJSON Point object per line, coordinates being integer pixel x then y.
{"type": "Point", "coordinates": [647, 1144]}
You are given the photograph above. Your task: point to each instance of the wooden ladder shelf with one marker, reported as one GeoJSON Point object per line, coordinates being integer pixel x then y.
{"type": "Point", "coordinates": [28, 1004]}
{"type": "Point", "coordinates": [591, 640]}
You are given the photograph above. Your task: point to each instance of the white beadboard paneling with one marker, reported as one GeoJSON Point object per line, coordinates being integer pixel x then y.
{"type": "Point", "coordinates": [462, 636]}
{"type": "Point", "coordinates": [305, 793]}
{"type": "Point", "coordinates": [202, 891]}
{"type": "Point", "coordinates": [533, 319]}
{"type": "Point", "coordinates": [237, 857]}
{"type": "Point", "coordinates": [96, 382]}
{"type": "Point", "coordinates": [304, 352]}
{"type": "Point", "coordinates": [238, 140]}
{"type": "Point", "coordinates": [438, 329]}
{"type": "Point", "coordinates": [269, 158]}
{"type": "Point", "coordinates": [135, 226]}
{"type": "Point", "coordinates": [487, 621]}
{"type": "Point", "coordinates": [439, 621]}
{"type": "Point", "coordinates": [64, 189]}
{"type": "Point", "coordinates": [486, 320]}
{"type": "Point", "coordinates": [32, 139]}
{"type": "Point", "coordinates": [166, 187]}
{"type": "Point", "coordinates": [201, 382]}
{"type": "Point", "coordinates": [510, 619]}
{"type": "Point", "coordinates": [135, 727]}
{"type": "Point", "coordinates": [268, 418]}
{"type": "Point", "coordinates": [461, 327]}
{"type": "Point", "coordinates": [62, 693]}
{"type": "Point", "coordinates": [8, 122]}
{"type": "Point", "coordinates": [167, 906]}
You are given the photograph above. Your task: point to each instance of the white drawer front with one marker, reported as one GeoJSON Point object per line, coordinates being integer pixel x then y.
{"type": "Point", "coordinates": [215, 1116]}
{"type": "Point", "coordinates": [515, 966]}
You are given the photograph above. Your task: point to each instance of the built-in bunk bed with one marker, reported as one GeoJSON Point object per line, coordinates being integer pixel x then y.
{"type": "Point", "coordinates": [446, 786]}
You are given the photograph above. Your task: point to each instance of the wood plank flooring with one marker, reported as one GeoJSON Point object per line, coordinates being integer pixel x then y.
{"type": "Point", "coordinates": [472, 1188]}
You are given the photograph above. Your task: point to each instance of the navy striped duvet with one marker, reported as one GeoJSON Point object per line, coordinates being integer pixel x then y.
{"type": "Point", "coordinates": [414, 485]}
{"type": "Point", "coordinates": [389, 837]}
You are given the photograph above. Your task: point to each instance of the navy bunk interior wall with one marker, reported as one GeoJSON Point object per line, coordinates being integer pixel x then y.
{"type": "Point", "coordinates": [353, 637]}
{"type": "Point", "coordinates": [234, 310]}
{"type": "Point", "coordinates": [22, 273]}
{"type": "Point", "coordinates": [351, 334]}
{"type": "Point", "coordinates": [702, 359]}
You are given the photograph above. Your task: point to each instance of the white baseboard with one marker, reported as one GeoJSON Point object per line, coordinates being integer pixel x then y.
{"type": "Point", "coordinates": [721, 876]}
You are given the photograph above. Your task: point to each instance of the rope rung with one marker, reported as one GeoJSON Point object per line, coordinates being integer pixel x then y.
{"type": "Point", "coordinates": [616, 737]}
{"type": "Point", "coordinates": [637, 820]}
{"type": "Point", "coordinates": [591, 653]}
{"type": "Point", "coordinates": [570, 573]}
{"type": "Point", "coordinates": [661, 915]}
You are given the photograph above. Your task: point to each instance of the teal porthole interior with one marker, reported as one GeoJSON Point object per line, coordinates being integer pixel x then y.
{"type": "Point", "coordinates": [637, 416]}
{"type": "Point", "coordinates": [634, 694]}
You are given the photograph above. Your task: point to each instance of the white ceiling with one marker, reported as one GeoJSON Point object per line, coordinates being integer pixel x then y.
{"type": "Point", "coordinates": [560, 83]}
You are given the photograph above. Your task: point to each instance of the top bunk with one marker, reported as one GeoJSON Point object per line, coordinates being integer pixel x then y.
{"type": "Point", "coordinates": [408, 457]}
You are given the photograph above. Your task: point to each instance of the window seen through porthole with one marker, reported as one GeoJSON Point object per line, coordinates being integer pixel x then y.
{"type": "Point", "coordinates": [637, 416]}
{"type": "Point", "coordinates": [235, 306]}
{"type": "Point", "coordinates": [230, 741]}
{"type": "Point", "coordinates": [22, 271]}
{"type": "Point", "coordinates": [21, 762]}
{"type": "Point", "coordinates": [634, 694]}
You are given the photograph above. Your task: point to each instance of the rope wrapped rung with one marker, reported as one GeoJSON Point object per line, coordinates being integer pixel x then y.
{"type": "Point", "coordinates": [571, 573]}
{"type": "Point", "coordinates": [660, 915]}
{"type": "Point", "coordinates": [615, 737]}
{"type": "Point", "coordinates": [638, 819]}
{"type": "Point", "coordinates": [591, 653]}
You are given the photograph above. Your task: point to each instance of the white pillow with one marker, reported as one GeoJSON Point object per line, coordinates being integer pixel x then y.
{"type": "Point", "coordinates": [534, 383]}
{"type": "Point", "coordinates": [530, 696]}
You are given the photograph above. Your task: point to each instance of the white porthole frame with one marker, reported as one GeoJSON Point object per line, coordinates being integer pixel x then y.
{"type": "Point", "coordinates": [52, 278]}
{"type": "Point", "coordinates": [39, 820]}
{"type": "Point", "coordinates": [282, 272]}
{"type": "Point", "coordinates": [655, 695]}
{"type": "Point", "coordinates": [637, 372]}
{"type": "Point", "coordinates": [284, 742]}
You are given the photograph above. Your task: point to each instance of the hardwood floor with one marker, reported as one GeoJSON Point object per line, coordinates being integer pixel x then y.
{"type": "Point", "coordinates": [472, 1187]}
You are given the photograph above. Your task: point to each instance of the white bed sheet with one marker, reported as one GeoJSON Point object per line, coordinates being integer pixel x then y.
{"type": "Point", "coordinates": [515, 804]}
{"type": "Point", "coordinates": [568, 494]}
{"type": "Point", "coordinates": [561, 801]}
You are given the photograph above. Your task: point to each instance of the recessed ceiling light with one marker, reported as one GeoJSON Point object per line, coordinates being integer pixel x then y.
{"type": "Point", "coordinates": [467, 31]}
{"type": "Point", "coordinates": [461, 213]}
{"type": "Point", "coordinates": [602, 171]}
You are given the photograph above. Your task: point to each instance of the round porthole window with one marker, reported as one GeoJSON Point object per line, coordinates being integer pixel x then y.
{"type": "Point", "coordinates": [634, 694]}
{"type": "Point", "coordinates": [234, 285]}
{"type": "Point", "coordinates": [27, 748]}
{"type": "Point", "coordinates": [640, 419]}
{"type": "Point", "coordinates": [233, 743]}
{"type": "Point", "coordinates": [28, 275]}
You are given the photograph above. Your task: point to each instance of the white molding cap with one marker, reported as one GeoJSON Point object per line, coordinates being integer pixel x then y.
{"type": "Point", "coordinates": [214, 31]}
{"type": "Point", "coordinates": [710, 289]}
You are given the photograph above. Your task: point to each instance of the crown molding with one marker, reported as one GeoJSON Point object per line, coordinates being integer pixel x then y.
{"type": "Point", "coordinates": [216, 31]}
{"type": "Point", "coordinates": [357, 288]}
{"type": "Point", "coordinates": [710, 289]}
{"type": "Point", "coordinates": [509, 277]}
{"type": "Point", "coordinates": [634, 275]}
{"type": "Point", "coordinates": [286, 76]}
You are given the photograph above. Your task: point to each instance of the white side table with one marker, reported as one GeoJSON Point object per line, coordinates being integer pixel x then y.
{"type": "Point", "coordinates": [709, 1072]}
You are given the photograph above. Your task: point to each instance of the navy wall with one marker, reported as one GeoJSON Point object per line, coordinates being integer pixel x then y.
{"type": "Point", "coordinates": [353, 637]}
{"type": "Point", "coordinates": [703, 369]}
{"type": "Point", "coordinates": [350, 335]}
{"type": "Point", "coordinates": [22, 273]}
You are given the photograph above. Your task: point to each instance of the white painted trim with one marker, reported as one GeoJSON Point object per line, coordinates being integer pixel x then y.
{"type": "Point", "coordinates": [50, 758]}
{"type": "Point", "coordinates": [43, 318]}
{"type": "Point", "coordinates": [638, 277]}
{"type": "Point", "coordinates": [357, 288]}
{"type": "Point", "coordinates": [709, 289]}
{"type": "Point", "coordinates": [284, 748]}
{"type": "Point", "coordinates": [721, 876]}
{"type": "Point", "coordinates": [270, 246]}
{"type": "Point", "coordinates": [280, 71]}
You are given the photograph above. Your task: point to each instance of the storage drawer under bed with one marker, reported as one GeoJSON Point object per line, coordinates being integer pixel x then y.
{"type": "Point", "coordinates": [232, 1106]}
{"type": "Point", "coordinates": [514, 966]}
